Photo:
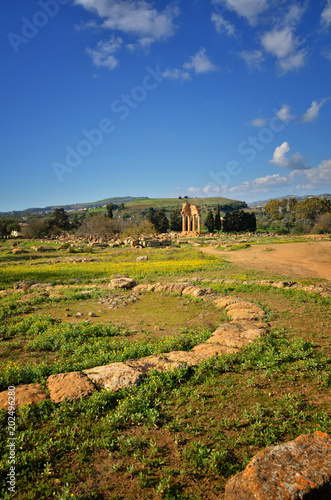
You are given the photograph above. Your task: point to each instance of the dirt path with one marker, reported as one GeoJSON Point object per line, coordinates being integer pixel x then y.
{"type": "Point", "coordinates": [295, 260]}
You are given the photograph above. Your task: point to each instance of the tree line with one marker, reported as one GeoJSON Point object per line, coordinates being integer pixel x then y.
{"type": "Point", "coordinates": [109, 222]}
{"type": "Point", "coordinates": [290, 216]}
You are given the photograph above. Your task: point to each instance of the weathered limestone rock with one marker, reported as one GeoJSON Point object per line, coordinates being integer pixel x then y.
{"type": "Point", "coordinates": [70, 386]}
{"type": "Point", "coordinates": [207, 351]}
{"type": "Point", "coordinates": [145, 288]}
{"type": "Point", "coordinates": [162, 364]}
{"type": "Point", "coordinates": [195, 291]}
{"type": "Point", "coordinates": [114, 376]}
{"type": "Point", "coordinates": [185, 357]}
{"type": "Point", "coordinates": [24, 394]}
{"type": "Point", "coordinates": [122, 283]}
{"type": "Point", "coordinates": [226, 301]}
{"type": "Point", "coordinates": [245, 305]}
{"type": "Point", "coordinates": [173, 287]}
{"type": "Point", "coordinates": [236, 339]}
{"type": "Point", "coordinates": [246, 314]}
{"type": "Point", "coordinates": [297, 470]}
{"type": "Point", "coordinates": [142, 258]}
{"type": "Point", "coordinates": [19, 250]}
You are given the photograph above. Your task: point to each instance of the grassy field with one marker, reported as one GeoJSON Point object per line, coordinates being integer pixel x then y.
{"type": "Point", "coordinates": [178, 435]}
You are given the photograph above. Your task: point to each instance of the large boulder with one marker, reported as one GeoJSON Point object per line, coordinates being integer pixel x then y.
{"type": "Point", "coordinates": [122, 283]}
{"type": "Point", "coordinates": [297, 470]}
{"type": "Point", "coordinates": [24, 394]}
{"type": "Point", "coordinates": [114, 377]}
{"type": "Point", "coordinates": [70, 386]}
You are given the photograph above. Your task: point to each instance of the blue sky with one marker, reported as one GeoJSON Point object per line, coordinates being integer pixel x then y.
{"type": "Point", "coordinates": [105, 98]}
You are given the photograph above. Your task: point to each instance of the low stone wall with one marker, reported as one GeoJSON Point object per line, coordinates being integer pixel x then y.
{"type": "Point", "coordinates": [246, 326]}
{"type": "Point", "coordinates": [300, 469]}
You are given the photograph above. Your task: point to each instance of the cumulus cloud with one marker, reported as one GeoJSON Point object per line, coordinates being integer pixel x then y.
{"type": "Point", "coordinates": [326, 14]}
{"type": "Point", "coordinates": [294, 162]}
{"type": "Point", "coordinates": [318, 177]}
{"type": "Point", "coordinates": [311, 178]}
{"type": "Point", "coordinates": [193, 190]}
{"type": "Point", "coordinates": [312, 113]}
{"type": "Point", "coordinates": [262, 184]}
{"type": "Point", "coordinates": [253, 59]}
{"type": "Point", "coordinates": [176, 74]}
{"type": "Point", "coordinates": [282, 44]}
{"type": "Point", "coordinates": [284, 113]}
{"type": "Point", "coordinates": [210, 190]}
{"type": "Point", "coordinates": [250, 9]}
{"type": "Point", "coordinates": [258, 122]}
{"type": "Point", "coordinates": [137, 17]}
{"type": "Point", "coordinates": [199, 63]}
{"type": "Point", "coordinates": [103, 55]}
{"type": "Point", "coordinates": [222, 25]}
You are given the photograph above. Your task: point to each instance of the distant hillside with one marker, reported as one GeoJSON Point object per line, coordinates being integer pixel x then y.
{"type": "Point", "coordinates": [74, 206]}
{"type": "Point", "coordinates": [226, 204]}
{"type": "Point", "coordinates": [261, 203]}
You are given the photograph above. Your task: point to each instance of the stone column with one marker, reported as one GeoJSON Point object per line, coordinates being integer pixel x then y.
{"type": "Point", "coordinates": [183, 223]}
{"type": "Point", "coordinates": [199, 224]}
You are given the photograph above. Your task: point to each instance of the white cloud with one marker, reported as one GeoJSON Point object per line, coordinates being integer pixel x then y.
{"type": "Point", "coordinates": [250, 9]}
{"type": "Point", "coordinates": [278, 42]}
{"type": "Point", "coordinates": [253, 59]}
{"type": "Point", "coordinates": [326, 14]}
{"type": "Point", "coordinates": [284, 113]}
{"type": "Point", "coordinates": [193, 190]}
{"type": "Point", "coordinates": [258, 122]}
{"type": "Point", "coordinates": [262, 184]}
{"type": "Point", "coordinates": [176, 74]}
{"type": "Point", "coordinates": [293, 61]}
{"type": "Point", "coordinates": [282, 44]}
{"type": "Point", "coordinates": [312, 112]}
{"type": "Point", "coordinates": [103, 54]}
{"type": "Point", "coordinates": [294, 162]}
{"type": "Point", "coordinates": [211, 189]}
{"type": "Point", "coordinates": [135, 17]}
{"type": "Point", "coordinates": [222, 25]}
{"type": "Point", "coordinates": [319, 176]}
{"type": "Point", "coordinates": [200, 63]}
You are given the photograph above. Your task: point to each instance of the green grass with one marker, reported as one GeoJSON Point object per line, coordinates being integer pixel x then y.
{"type": "Point", "coordinates": [178, 435]}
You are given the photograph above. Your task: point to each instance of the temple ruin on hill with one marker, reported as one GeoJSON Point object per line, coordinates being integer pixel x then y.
{"type": "Point", "coordinates": [191, 220]}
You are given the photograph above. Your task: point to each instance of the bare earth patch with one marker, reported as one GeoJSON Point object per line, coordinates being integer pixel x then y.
{"type": "Point", "coordinates": [298, 260]}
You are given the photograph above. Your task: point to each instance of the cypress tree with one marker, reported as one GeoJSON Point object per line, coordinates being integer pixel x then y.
{"type": "Point", "coordinates": [175, 220]}
{"type": "Point", "coordinates": [218, 223]}
{"type": "Point", "coordinates": [210, 222]}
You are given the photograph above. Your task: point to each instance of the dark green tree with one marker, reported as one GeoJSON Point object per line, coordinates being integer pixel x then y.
{"type": "Point", "coordinates": [218, 222]}
{"type": "Point", "coordinates": [60, 219]}
{"type": "Point", "coordinates": [7, 225]}
{"type": "Point", "coordinates": [210, 224]}
{"type": "Point", "coordinates": [161, 221]}
{"type": "Point", "coordinates": [239, 221]}
{"type": "Point", "coordinates": [151, 216]}
{"type": "Point", "coordinates": [109, 209]}
{"type": "Point", "coordinates": [175, 222]}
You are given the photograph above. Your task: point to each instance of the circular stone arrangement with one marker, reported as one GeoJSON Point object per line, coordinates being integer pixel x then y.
{"type": "Point", "coordinates": [244, 327]}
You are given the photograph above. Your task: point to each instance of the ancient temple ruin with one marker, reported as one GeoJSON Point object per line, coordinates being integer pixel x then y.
{"type": "Point", "coordinates": [191, 220]}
